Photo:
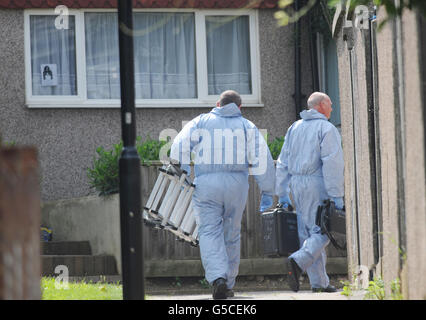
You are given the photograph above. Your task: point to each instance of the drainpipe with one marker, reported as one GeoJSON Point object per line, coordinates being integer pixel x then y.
{"type": "Point", "coordinates": [297, 75]}
{"type": "Point", "coordinates": [312, 50]}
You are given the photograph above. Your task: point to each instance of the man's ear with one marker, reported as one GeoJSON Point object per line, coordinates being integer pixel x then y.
{"type": "Point", "coordinates": [218, 104]}
{"type": "Point", "coordinates": [239, 107]}
{"type": "Point", "coordinates": [320, 107]}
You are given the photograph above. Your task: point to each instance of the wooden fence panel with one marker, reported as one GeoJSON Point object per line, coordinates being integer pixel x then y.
{"type": "Point", "coordinates": [162, 245]}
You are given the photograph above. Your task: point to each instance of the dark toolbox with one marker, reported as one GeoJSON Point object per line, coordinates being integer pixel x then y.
{"type": "Point", "coordinates": [332, 222]}
{"type": "Point", "coordinates": [280, 236]}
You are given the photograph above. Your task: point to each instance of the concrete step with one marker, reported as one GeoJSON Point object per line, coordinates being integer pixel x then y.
{"type": "Point", "coordinates": [66, 248]}
{"type": "Point", "coordinates": [254, 266]}
{"type": "Point", "coordinates": [79, 265]}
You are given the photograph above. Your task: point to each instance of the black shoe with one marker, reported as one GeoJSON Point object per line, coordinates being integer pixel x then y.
{"type": "Point", "coordinates": [293, 274]}
{"type": "Point", "coordinates": [330, 288]}
{"type": "Point", "coordinates": [219, 289]}
{"type": "Point", "coordinates": [229, 293]}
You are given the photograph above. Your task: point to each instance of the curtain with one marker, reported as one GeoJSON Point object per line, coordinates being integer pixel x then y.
{"type": "Point", "coordinates": [102, 56]}
{"type": "Point", "coordinates": [228, 54]}
{"type": "Point", "coordinates": [53, 46]}
{"type": "Point", "coordinates": [165, 55]}
{"type": "Point", "coordinates": [164, 49]}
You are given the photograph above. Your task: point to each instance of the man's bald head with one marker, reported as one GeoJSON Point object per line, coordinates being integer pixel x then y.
{"type": "Point", "coordinates": [320, 102]}
{"type": "Point", "coordinates": [316, 98]}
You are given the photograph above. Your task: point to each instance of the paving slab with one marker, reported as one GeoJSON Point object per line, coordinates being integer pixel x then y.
{"type": "Point", "coordinates": [266, 295]}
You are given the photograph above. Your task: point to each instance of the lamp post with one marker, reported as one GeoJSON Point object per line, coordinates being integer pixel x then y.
{"type": "Point", "coordinates": [129, 165]}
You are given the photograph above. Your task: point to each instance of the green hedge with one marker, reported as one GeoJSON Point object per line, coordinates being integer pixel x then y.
{"type": "Point", "coordinates": [275, 147]}
{"type": "Point", "coordinates": [104, 176]}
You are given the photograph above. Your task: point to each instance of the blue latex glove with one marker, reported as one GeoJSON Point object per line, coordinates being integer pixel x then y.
{"type": "Point", "coordinates": [266, 202]}
{"type": "Point", "coordinates": [187, 168]}
{"type": "Point", "coordinates": [285, 201]}
{"type": "Point", "coordinates": [338, 202]}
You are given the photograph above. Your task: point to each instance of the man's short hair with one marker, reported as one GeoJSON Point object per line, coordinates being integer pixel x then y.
{"type": "Point", "coordinates": [229, 96]}
{"type": "Point", "coordinates": [315, 99]}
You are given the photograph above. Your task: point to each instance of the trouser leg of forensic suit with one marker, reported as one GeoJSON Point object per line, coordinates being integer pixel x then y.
{"type": "Point", "coordinates": [308, 193]}
{"type": "Point", "coordinates": [219, 200]}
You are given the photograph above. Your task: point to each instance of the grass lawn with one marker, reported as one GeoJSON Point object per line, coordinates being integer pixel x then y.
{"type": "Point", "coordinates": [80, 290]}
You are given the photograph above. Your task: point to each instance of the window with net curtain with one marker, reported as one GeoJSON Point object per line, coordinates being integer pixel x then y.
{"type": "Point", "coordinates": [165, 55]}
{"type": "Point", "coordinates": [50, 45]}
{"type": "Point", "coordinates": [165, 59]}
{"type": "Point", "coordinates": [164, 45]}
{"type": "Point", "coordinates": [228, 54]}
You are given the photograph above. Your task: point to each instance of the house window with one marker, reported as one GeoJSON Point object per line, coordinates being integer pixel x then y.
{"type": "Point", "coordinates": [52, 57]}
{"type": "Point", "coordinates": [102, 59]}
{"type": "Point", "coordinates": [164, 50]}
{"type": "Point", "coordinates": [228, 54]}
{"type": "Point", "coordinates": [182, 59]}
{"type": "Point", "coordinates": [329, 74]}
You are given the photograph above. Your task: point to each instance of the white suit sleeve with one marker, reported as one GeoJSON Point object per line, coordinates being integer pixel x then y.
{"type": "Point", "coordinates": [332, 163]}
{"type": "Point", "coordinates": [183, 144]}
{"type": "Point", "coordinates": [260, 159]}
{"type": "Point", "coordinates": [283, 176]}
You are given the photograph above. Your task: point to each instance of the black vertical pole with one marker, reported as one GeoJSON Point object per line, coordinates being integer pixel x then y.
{"type": "Point", "coordinates": [129, 165]}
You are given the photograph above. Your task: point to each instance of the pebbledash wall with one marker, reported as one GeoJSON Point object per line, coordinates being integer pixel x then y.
{"type": "Point", "coordinates": [383, 122]}
{"type": "Point", "coordinates": [67, 138]}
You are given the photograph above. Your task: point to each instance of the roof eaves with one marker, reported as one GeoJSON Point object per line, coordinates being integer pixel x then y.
{"type": "Point", "coordinates": [201, 4]}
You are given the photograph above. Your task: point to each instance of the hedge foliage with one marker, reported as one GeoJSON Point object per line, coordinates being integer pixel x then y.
{"type": "Point", "coordinates": [104, 174]}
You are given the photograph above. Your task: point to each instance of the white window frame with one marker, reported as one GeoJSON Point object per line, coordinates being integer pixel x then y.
{"type": "Point", "coordinates": [203, 98]}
